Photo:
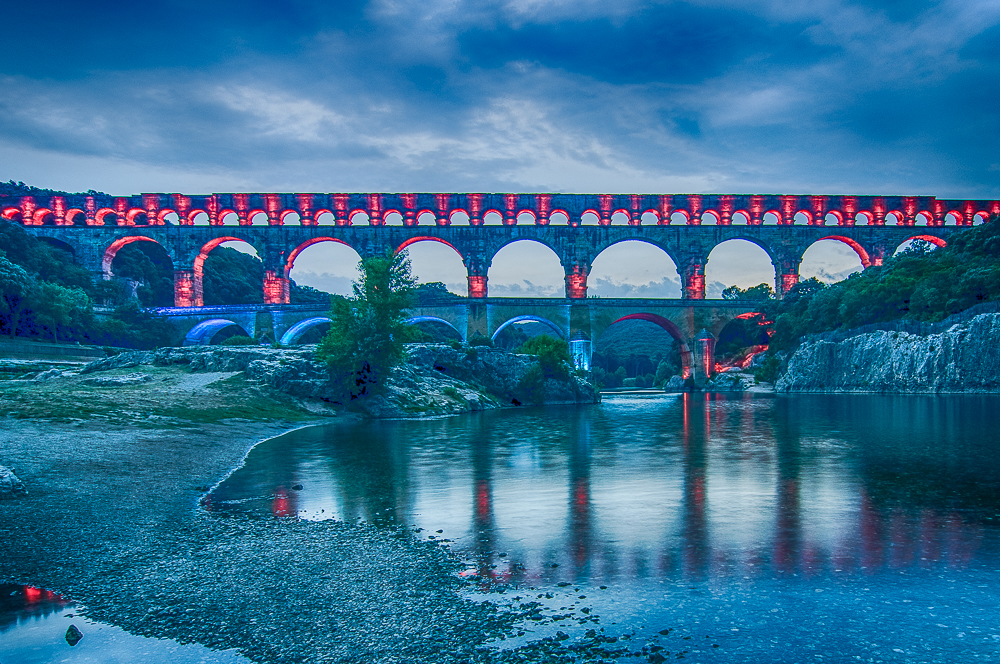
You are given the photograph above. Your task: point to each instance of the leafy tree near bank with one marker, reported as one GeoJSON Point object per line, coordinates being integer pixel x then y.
{"type": "Point", "coordinates": [553, 355]}
{"type": "Point", "coordinates": [368, 330]}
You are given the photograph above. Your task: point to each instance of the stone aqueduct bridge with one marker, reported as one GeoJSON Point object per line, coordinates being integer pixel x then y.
{"type": "Point", "coordinates": [686, 227]}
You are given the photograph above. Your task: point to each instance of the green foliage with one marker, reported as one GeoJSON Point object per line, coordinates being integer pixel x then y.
{"type": "Point", "coordinates": [664, 371]}
{"type": "Point", "coordinates": [147, 265]}
{"type": "Point", "coordinates": [232, 277]}
{"type": "Point", "coordinates": [767, 372]}
{"type": "Point", "coordinates": [553, 355]}
{"type": "Point", "coordinates": [758, 293]}
{"type": "Point", "coordinates": [479, 340]}
{"type": "Point", "coordinates": [917, 284]}
{"type": "Point", "coordinates": [238, 340]}
{"type": "Point", "coordinates": [434, 292]}
{"type": "Point", "coordinates": [235, 277]}
{"type": "Point", "coordinates": [131, 326]}
{"type": "Point", "coordinates": [369, 330]}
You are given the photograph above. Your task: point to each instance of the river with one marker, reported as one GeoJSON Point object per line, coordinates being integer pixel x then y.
{"type": "Point", "coordinates": [791, 528]}
{"type": "Point", "coordinates": [729, 528]}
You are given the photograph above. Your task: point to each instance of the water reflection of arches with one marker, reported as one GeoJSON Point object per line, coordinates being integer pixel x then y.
{"type": "Point", "coordinates": [537, 319]}
{"type": "Point", "coordinates": [213, 331]}
{"type": "Point", "coordinates": [295, 333]}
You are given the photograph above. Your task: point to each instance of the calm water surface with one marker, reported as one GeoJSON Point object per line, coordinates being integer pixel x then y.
{"type": "Point", "coordinates": [754, 527]}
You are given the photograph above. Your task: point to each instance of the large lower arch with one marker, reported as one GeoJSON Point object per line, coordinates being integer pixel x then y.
{"type": "Point", "coordinates": [853, 244]}
{"type": "Point", "coordinates": [634, 268]}
{"type": "Point", "coordinates": [672, 329]}
{"type": "Point", "coordinates": [742, 262]}
{"type": "Point", "coordinates": [433, 259]}
{"type": "Point", "coordinates": [114, 247]}
{"type": "Point", "coordinates": [331, 267]}
{"type": "Point", "coordinates": [206, 331]}
{"type": "Point", "coordinates": [536, 319]}
{"type": "Point", "coordinates": [526, 268]}
{"type": "Point", "coordinates": [297, 331]}
{"type": "Point", "coordinates": [198, 277]}
{"type": "Point", "coordinates": [832, 259]}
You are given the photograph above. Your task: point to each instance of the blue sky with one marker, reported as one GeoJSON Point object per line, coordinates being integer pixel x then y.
{"type": "Point", "coordinates": [825, 96]}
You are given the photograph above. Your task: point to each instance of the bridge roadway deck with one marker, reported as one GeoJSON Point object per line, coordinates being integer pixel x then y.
{"type": "Point", "coordinates": [695, 324]}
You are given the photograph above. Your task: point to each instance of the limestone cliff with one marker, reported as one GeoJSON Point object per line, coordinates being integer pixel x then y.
{"type": "Point", "coordinates": [962, 359]}
{"type": "Point", "coordinates": [436, 379]}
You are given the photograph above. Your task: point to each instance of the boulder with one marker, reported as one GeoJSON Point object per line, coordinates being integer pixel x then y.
{"type": "Point", "coordinates": [10, 485]}
{"type": "Point", "coordinates": [961, 359]}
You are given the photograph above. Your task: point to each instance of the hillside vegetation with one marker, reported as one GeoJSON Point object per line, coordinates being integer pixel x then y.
{"type": "Point", "coordinates": [921, 283]}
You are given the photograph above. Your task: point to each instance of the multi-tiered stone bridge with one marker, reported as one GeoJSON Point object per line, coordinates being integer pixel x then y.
{"type": "Point", "coordinates": [577, 227]}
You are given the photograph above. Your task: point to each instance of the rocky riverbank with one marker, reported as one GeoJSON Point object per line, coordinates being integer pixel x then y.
{"type": "Point", "coordinates": [435, 379]}
{"type": "Point", "coordinates": [215, 383]}
{"type": "Point", "coordinates": [961, 359]}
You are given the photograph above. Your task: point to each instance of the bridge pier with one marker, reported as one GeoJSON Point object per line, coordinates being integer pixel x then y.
{"type": "Point", "coordinates": [576, 280]}
{"type": "Point", "coordinates": [184, 289]}
{"type": "Point", "coordinates": [693, 276]}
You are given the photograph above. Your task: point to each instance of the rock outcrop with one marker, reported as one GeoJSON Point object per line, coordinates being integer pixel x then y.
{"type": "Point", "coordinates": [436, 379]}
{"type": "Point", "coordinates": [962, 359]}
{"type": "Point", "coordinates": [10, 485]}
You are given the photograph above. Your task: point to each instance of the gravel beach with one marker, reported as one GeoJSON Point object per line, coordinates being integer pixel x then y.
{"type": "Point", "coordinates": [112, 521]}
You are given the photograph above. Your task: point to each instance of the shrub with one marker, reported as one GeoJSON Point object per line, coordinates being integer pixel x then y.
{"type": "Point", "coordinates": [553, 355]}
{"type": "Point", "coordinates": [479, 340]}
{"type": "Point", "coordinates": [768, 370]}
{"type": "Point", "coordinates": [238, 340]}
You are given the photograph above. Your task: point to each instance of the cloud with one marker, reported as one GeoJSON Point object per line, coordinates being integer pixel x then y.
{"type": "Point", "coordinates": [701, 96]}
{"type": "Point", "coordinates": [605, 287]}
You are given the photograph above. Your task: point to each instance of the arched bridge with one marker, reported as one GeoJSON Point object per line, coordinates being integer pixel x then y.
{"type": "Point", "coordinates": [577, 227]}
{"type": "Point", "coordinates": [693, 324]}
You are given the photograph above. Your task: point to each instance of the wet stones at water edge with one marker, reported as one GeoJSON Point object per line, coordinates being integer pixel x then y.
{"type": "Point", "coordinates": [73, 635]}
{"type": "Point", "coordinates": [10, 485]}
{"type": "Point", "coordinates": [118, 381]}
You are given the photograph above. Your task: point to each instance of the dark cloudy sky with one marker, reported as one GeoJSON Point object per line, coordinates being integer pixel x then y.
{"type": "Point", "coordinates": [900, 96]}
{"type": "Point", "coordinates": [772, 96]}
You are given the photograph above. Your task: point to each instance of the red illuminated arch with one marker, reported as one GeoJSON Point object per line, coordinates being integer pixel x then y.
{"type": "Point", "coordinates": [858, 249]}
{"type": "Point", "coordinates": [101, 214]}
{"type": "Point", "coordinates": [109, 253]}
{"type": "Point", "coordinates": [13, 214]}
{"type": "Point", "coordinates": [305, 245]}
{"type": "Point", "coordinates": [672, 330]}
{"type": "Point", "coordinates": [928, 238]}
{"type": "Point", "coordinates": [39, 217]}
{"type": "Point", "coordinates": [425, 238]}
{"type": "Point", "coordinates": [72, 214]}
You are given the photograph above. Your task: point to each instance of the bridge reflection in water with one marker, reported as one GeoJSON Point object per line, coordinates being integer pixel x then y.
{"type": "Point", "coordinates": [694, 487]}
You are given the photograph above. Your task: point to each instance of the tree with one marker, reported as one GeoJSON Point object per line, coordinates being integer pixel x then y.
{"type": "Point", "coordinates": [553, 355]}
{"type": "Point", "coordinates": [758, 293]}
{"type": "Point", "coordinates": [16, 286]}
{"type": "Point", "coordinates": [368, 330]}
